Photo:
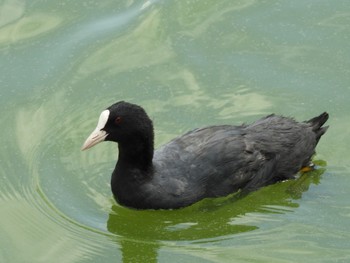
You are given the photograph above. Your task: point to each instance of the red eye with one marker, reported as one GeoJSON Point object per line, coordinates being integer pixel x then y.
{"type": "Point", "coordinates": [118, 120]}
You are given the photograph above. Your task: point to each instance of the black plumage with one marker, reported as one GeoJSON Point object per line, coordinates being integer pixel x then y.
{"type": "Point", "coordinates": [207, 162]}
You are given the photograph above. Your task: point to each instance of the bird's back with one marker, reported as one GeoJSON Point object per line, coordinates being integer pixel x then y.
{"type": "Point", "coordinates": [202, 163]}
{"type": "Point", "coordinates": [218, 160]}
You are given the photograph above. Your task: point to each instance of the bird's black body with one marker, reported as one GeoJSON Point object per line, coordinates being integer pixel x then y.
{"type": "Point", "coordinates": [208, 162]}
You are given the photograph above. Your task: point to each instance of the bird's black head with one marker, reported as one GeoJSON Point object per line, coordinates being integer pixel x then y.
{"type": "Point", "coordinates": [124, 123]}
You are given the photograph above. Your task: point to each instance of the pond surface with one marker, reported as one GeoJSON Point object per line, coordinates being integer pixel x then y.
{"type": "Point", "coordinates": [190, 64]}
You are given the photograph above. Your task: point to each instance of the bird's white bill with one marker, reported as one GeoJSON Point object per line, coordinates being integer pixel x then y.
{"type": "Point", "coordinates": [98, 135]}
{"type": "Point", "coordinates": [95, 137]}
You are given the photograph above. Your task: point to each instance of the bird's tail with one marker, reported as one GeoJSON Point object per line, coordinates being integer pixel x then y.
{"type": "Point", "coordinates": [317, 122]}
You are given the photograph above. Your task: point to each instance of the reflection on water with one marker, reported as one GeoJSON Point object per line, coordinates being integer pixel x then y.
{"type": "Point", "coordinates": [340, 21]}
{"type": "Point", "coordinates": [211, 220]}
{"type": "Point", "coordinates": [10, 11]}
{"type": "Point", "coordinates": [28, 27]}
{"type": "Point", "coordinates": [32, 223]}
{"type": "Point", "coordinates": [201, 15]}
{"type": "Point", "coordinates": [127, 52]}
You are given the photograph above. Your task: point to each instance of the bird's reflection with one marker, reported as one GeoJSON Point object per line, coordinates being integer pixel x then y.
{"type": "Point", "coordinates": [140, 234]}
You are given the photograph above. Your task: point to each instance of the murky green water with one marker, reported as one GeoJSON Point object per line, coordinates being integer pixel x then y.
{"type": "Point", "coordinates": [190, 64]}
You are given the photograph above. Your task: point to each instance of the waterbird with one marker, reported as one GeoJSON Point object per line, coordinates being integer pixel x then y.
{"type": "Point", "coordinates": [208, 162]}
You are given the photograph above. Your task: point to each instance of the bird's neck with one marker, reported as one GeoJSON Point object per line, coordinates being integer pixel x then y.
{"type": "Point", "coordinates": [133, 169]}
{"type": "Point", "coordinates": [136, 154]}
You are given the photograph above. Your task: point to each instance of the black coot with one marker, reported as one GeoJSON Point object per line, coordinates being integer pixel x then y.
{"type": "Point", "coordinates": [207, 162]}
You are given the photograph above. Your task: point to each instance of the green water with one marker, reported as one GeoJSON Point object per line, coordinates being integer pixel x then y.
{"type": "Point", "coordinates": [190, 64]}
